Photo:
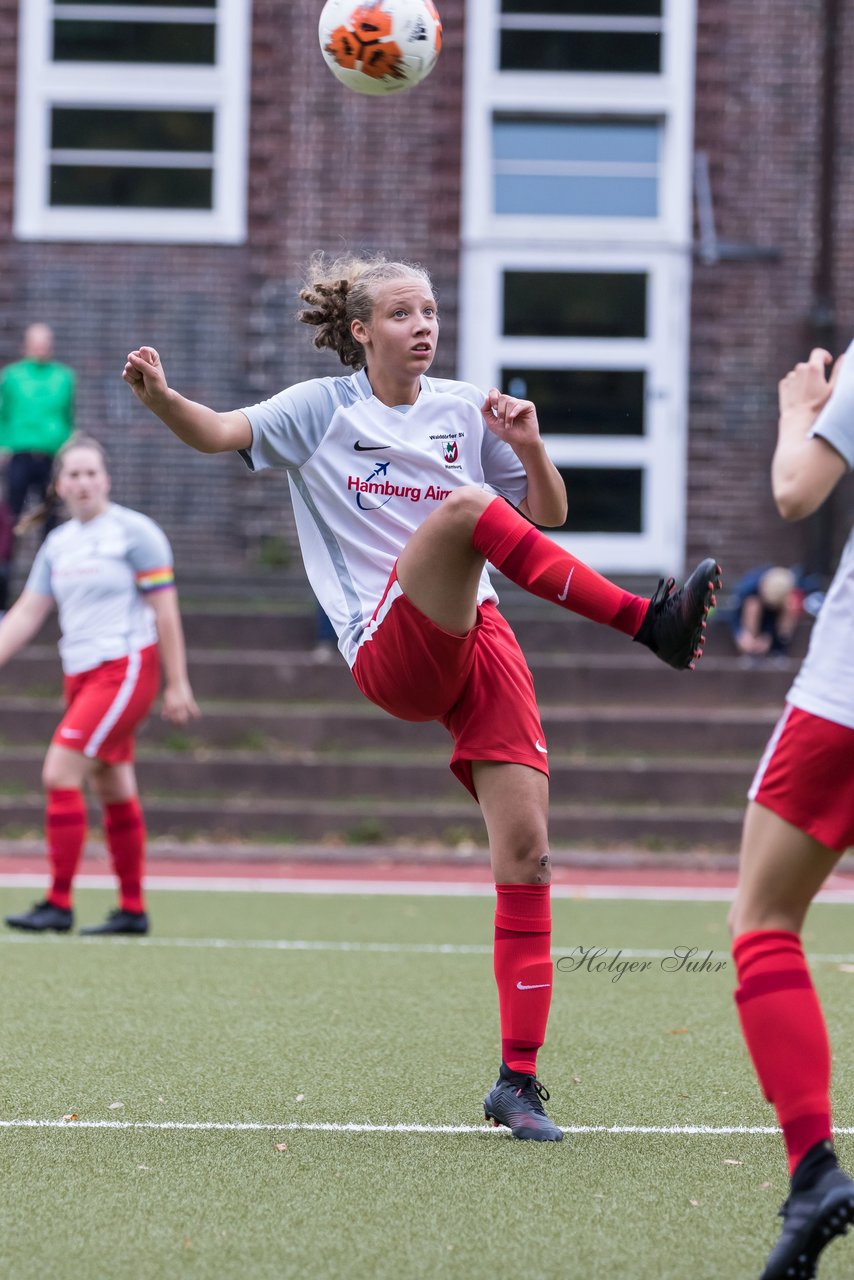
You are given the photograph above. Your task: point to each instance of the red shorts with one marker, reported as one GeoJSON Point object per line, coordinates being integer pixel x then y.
{"type": "Point", "coordinates": [478, 685]}
{"type": "Point", "coordinates": [105, 706]}
{"type": "Point", "coordinates": [806, 777]}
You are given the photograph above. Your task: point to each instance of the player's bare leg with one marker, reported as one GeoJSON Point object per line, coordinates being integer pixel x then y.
{"type": "Point", "coordinates": [782, 869]}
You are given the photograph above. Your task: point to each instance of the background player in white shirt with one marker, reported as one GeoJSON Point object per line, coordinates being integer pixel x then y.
{"type": "Point", "coordinates": [799, 821]}
{"type": "Point", "coordinates": [109, 572]}
{"type": "Point", "coordinates": [404, 487]}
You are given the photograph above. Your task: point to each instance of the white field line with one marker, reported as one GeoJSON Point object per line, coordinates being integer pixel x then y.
{"type": "Point", "coordinates": [705, 1130]}
{"type": "Point", "coordinates": [608, 954]}
{"type": "Point", "coordinates": [402, 888]}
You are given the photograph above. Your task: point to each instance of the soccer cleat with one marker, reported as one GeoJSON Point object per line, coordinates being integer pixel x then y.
{"type": "Point", "coordinates": [675, 622]}
{"type": "Point", "coordinates": [41, 917]}
{"type": "Point", "coordinates": [517, 1101]}
{"type": "Point", "coordinates": [119, 921]}
{"type": "Point", "coordinates": [810, 1221]}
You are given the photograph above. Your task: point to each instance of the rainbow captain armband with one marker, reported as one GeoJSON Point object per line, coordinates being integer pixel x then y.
{"type": "Point", "coordinates": [155, 579]}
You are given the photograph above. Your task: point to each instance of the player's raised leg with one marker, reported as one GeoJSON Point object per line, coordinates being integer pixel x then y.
{"type": "Point", "coordinates": [439, 567]}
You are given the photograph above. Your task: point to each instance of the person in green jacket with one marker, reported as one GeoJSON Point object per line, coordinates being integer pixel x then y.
{"type": "Point", "coordinates": [36, 418]}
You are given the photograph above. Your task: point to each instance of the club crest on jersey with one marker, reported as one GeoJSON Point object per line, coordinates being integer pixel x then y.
{"type": "Point", "coordinates": [450, 452]}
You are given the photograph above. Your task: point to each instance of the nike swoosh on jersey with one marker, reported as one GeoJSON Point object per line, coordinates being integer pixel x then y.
{"type": "Point", "coordinates": [540, 747]}
{"type": "Point", "coordinates": [368, 448]}
{"type": "Point", "coordinates": [532, 986]}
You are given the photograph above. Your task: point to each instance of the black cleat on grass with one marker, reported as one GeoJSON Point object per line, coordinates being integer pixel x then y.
{"type": "Point", "coordinates": [675, 621]}
{"type": "Point", "coordinates": [119, 921]}
{"type": "Point", "coordinates": [41, 917]}
{"type": "Point", "coordinates": [811, 1219]}
{"type": "Point", "coordinates": [517, 1102]}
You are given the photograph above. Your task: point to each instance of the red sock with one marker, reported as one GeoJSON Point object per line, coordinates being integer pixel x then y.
{"type": "Point", "coordinates": [783, 1025]}
{"type": "Point", "coordinates": [523, 971]}
{"type": "Point", "coordinates": [65, 832]}
{"type": "Point", "coordinates": [124, 828]}
{"type": "Point", "coordinates": [531, 560]}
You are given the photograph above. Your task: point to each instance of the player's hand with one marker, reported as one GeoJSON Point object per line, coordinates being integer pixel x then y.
{"type": "Point", "coordinates": [179, 705]}
{"type": "Point", "coordinates": [144, 374]}
{"type": "Point", "coordinates": [806, 388]}
{"type": "Point", "coordinates": [510, 419]}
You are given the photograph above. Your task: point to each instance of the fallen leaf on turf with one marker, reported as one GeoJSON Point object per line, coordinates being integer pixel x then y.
{"type": "Point", "coordinates": [116, 1106]}
{"type": "Point", "coordinates": [733, 1162]}
{"type": "Point", "coordinates": [281, 1146]}
{"type": "Point", "coordinates": [300, 1097]}
{"type": "Point", "coordinates": [142, 1166]}
{"type": "Point", "coordinates": [763, 1186]}
{"type": "Point", "coordinates": [679, 1031]}
{"type": "Point", "coordinates": [576, 1079]}
{"type": "Point", "coordinates": [695, 1203]}
{"type": "Point", "coordinates": [161, 1099]}
{"type": "Point", "coordinates": [71, 1116]}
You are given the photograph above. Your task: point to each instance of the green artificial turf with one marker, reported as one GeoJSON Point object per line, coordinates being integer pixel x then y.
{"type": "Point", "coordinates": [241, 1034]}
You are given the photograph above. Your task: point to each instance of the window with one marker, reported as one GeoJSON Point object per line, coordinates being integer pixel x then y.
{"type": "Point", "coordinates": [576, 263]}
{"type": "Point", "coordinates": [603, 499]}
{"type": "Point", "coordinates": [587, 36]}
{"type": "Point", "coordinates": [582, 402]}
{"type": "Point", "coordinates": [576, 167]}
{"type": "Point", "coordinates": [132, 120]}
{"type": "Point", "coordinates": [131, 159]}
{"type": "Point", "coordinates": [574, 304]}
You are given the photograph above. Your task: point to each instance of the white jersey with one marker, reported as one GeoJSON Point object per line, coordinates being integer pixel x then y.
{"type": "Point", "coordinates": [364, 476]}
{"type": "Point", "coordinates": [824, 686]}
{"type": "Point", "coordinates": [98, 572]}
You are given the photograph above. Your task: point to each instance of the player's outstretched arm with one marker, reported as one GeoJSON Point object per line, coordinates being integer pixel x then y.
{"type": "Point", "coordinates": [806, 468]}
{"type": "Point", "coordinates": [198, 426]}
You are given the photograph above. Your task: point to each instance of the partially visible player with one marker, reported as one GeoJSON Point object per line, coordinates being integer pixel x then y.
{"type": "Point", "coordinates": [109, 572]}
{"type": "Point", "coordinates": [799, 821]}
{"type": "Point", "coordinates": [403, 488]}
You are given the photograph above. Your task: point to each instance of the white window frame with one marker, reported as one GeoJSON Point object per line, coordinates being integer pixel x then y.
{"type": "Point", "coordinates": [660, 247]}
{"type": "Point", "coordinates": [221, 89]}
{"type": "Point", "coordinates": [661, 354]}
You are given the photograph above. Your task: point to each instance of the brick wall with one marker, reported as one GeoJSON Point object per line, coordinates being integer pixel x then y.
{"type": "Point", "coordinates": [759, 119]}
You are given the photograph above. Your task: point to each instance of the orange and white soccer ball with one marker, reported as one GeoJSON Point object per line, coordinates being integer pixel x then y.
{"type": "Point", "coordinates": [380, 46]}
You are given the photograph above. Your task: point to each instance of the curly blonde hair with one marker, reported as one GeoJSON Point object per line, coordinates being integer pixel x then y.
{"type": "Point", "coordinates": [341, 290]}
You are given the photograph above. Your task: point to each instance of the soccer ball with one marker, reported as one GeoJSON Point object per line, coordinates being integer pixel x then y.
{"type": "Point", "coordinates": [380, 46]}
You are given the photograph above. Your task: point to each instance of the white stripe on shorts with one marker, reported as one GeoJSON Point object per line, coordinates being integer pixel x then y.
{"type": "Point", "coordinates": [769, 752]}
{"type": "Point", "coordinates": [394, 592]}
{"type": "Point", "coordinates": [117, 706]}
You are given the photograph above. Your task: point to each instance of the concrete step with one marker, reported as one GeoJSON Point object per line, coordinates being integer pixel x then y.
{"type": "Point", "coordinates": [381, 820]}
{"type": "Point", "coordinates": [264, 675]}
{"type": "Point", "coordinates": [610, 729]}
{"type": "Point", "coordinates": [419, 779]}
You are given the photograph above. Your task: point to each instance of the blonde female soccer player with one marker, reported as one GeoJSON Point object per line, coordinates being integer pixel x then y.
{"type": "Point", "coordinates": [109, 572]}
{"type": "Point", "coordinates": [799, 821]}
{"type": "Point", "coordinates": [404, 487]}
